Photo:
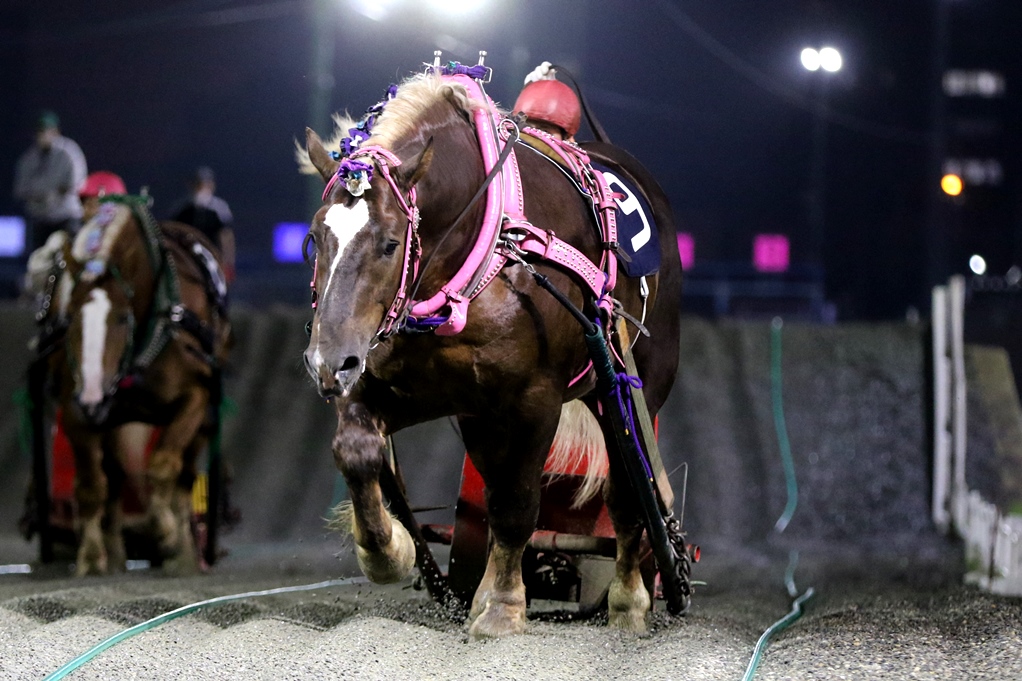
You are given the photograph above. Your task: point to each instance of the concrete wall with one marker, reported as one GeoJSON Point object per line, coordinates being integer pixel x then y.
{"type": "Point", "coordinates": [854, 401]}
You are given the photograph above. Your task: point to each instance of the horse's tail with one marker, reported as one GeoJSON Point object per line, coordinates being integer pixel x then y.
{"type": "Point", "coordinates": [579, 447]}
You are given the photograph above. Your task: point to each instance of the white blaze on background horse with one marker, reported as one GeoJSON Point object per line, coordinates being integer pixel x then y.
{"type": "Point", "coordinates": [94, 323]}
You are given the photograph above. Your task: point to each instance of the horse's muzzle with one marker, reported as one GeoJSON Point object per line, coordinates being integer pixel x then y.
{"type": "Point", "coordinates": [95, 414]}
{"type": "Point", "coordinates": [334, 379]}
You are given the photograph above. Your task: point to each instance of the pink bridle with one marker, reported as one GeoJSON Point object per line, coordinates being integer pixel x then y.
{"type": "Point", "coordinates": [384, 160]}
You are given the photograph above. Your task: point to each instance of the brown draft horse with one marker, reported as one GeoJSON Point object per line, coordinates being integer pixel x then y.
{"type": "Point", "coordinates": [505, 376]}
{"type": "Point", "coordinates": [126, 357]}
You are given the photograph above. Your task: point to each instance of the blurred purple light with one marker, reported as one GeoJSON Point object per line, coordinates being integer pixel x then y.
{"type": "Point", "coordinates": [287, 241]}
{"type": "Point", "coordinates": [771, 253]}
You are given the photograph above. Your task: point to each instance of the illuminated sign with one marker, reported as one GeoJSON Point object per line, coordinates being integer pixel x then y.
{"type": "Point", "coordinates": [12, 236]}
{"type": "Point", "coordinates": [287, 241]}
{"type": "Point", "coordinates": [686, 249]}
{"type": "Point", "coordinates": [771, 253]}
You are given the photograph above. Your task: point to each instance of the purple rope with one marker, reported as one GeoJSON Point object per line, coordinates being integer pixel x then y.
{"type": "Point", "coordinates": [424, 324]}
{"type": "Point", "coordinates": [624, 402]}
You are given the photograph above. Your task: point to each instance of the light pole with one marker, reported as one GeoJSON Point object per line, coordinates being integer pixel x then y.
{"type": "Point", "coordinates": [829, 61]}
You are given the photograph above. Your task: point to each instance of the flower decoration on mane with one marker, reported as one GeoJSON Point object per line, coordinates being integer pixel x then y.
{"type": "Point", "coordinates": [357, 174]}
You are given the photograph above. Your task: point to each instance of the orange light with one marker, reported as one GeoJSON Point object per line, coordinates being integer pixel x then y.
{"type": "Point", "coordinates": [951, 184]}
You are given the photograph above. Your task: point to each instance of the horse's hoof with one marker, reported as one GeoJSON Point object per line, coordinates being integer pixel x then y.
{"type": "Point", "coordinates": [391, 564]}
{"type": "Point", "coordinates": [627, 608]}
{"type": "Point", "coordinates": [117, 558]}
{"type": "Point", "coordinates": [94, 565]}
{"type": "Point", "coordinates": [181, 565]}
{"type": "Point", "coordinates": [629, 621]}
{"type": "Point", "coordinates": [165, 530]}
{"type": "Point", "coordinates": [91, 558]}
{"type": "Point", "coordinates": [498, 620]}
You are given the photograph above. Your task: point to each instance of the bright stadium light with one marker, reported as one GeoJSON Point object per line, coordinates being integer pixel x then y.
{"type": "Point", "coordinates": [455, 7]}
{"type": "Point", "coordinates": [978, 265]}
{"type": "Point", "coordinates": [811, 59]}
{"type": "Point", "coordinates": [377, 10]}
{"type": "Point", "coordinates": [830, 59]}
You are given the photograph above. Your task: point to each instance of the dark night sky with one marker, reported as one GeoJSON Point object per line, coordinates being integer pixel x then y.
{"type": "Point", "coordinates": [710, 96]}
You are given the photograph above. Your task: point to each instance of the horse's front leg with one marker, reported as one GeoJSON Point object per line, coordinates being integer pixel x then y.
{"type": "Point", "coordinates": [168, 466]}
{"type": "Point", "coordinates": [113, 522]}
{"type": "Point", "coordinates": [510, 460]}
{"type": "Point", "coordinates": [384, 548]}
{"type": "Point", "coordinates": [91, 494]}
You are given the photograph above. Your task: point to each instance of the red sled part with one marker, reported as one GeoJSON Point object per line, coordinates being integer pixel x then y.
{"type": "Point", "coordinates": [564, 534]}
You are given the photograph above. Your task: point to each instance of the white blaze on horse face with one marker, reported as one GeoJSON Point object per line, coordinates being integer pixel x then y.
{"type": "Point", "coordinates": [94, 316]}
{"type": "Point", "coordinates": [344, 224]}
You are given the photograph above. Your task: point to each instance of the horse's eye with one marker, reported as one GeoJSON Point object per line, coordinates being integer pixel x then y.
{"type": "Point", "coordinates": [390, 247]}
{"type": "Point", "coordinates": [307, 253]}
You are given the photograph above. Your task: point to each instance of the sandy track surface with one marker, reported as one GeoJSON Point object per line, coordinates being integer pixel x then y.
{"type": "Point", "coordinates": [873, 617]}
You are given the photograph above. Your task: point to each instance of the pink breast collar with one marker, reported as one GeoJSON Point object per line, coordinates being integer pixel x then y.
{"type": "Point", "coordinates": [504, 234]}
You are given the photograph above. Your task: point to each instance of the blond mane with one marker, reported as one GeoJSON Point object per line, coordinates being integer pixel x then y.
{"type": "Point", "coordinates": [414, 95]}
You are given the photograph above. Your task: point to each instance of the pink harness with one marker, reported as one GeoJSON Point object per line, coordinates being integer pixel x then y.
{"type": "Point", "coordinates": [505, 232]}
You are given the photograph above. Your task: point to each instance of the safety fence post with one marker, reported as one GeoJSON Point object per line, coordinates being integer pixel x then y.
{"type": "Point", "coordinates": [993, 542]}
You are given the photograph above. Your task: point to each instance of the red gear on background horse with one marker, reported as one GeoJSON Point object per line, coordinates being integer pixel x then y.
{"type": "Point", "coordinates": [97, 185]}
{"type": "Point", "coordinates": [102, 183]}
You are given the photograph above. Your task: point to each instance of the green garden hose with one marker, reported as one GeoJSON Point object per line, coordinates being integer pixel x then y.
{"type": "Point", "coordinates": [788, 462]}
{"type": "Point", "coordinates": [184, 610]}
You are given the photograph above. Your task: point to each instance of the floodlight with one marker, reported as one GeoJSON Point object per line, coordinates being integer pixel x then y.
{"type": "Point", "coordinates": [811, 59]}
{"type": "Point", "coordinates": [455, 7]}
{"type": "Point", "coordinates": [377, 10]}
{"type": "Point", "coordinates": [978, 265]}
{"type": "Point", "coordinates": [830, 59]}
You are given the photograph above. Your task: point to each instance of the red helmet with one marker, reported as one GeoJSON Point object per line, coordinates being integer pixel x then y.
{"type": "Point", "coordinates": [551, 101]}
{"type": "Point", "coordinates": [102, 183]}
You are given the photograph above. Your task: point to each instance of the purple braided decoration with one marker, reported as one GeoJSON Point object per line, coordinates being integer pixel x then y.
{"type": "Point", "coordinates": [453, 68]}
{"type": "Point", "coordinates": [363, 130]}
{"type": "Point", "coordinates": [349, 167]}
{"type": "Point", "coordinates": [351, 144]}
{"type": "Point", "coordinates": [624, 402]}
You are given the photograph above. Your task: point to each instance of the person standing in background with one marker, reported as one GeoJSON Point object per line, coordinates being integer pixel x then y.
{"type": "Point", "coordinates": [47, 178]}
{"type": "Point", "coordinates": [210, 214]}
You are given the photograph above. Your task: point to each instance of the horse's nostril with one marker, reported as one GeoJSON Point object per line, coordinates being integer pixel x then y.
{"type": "Point", "coordinates": [352, 362]}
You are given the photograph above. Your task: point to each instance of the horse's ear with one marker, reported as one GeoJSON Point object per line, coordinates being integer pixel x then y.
{"type": "Point", "coordinates": [415, 168]}
{"type": "Point", "coordinates": [320, 158]}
